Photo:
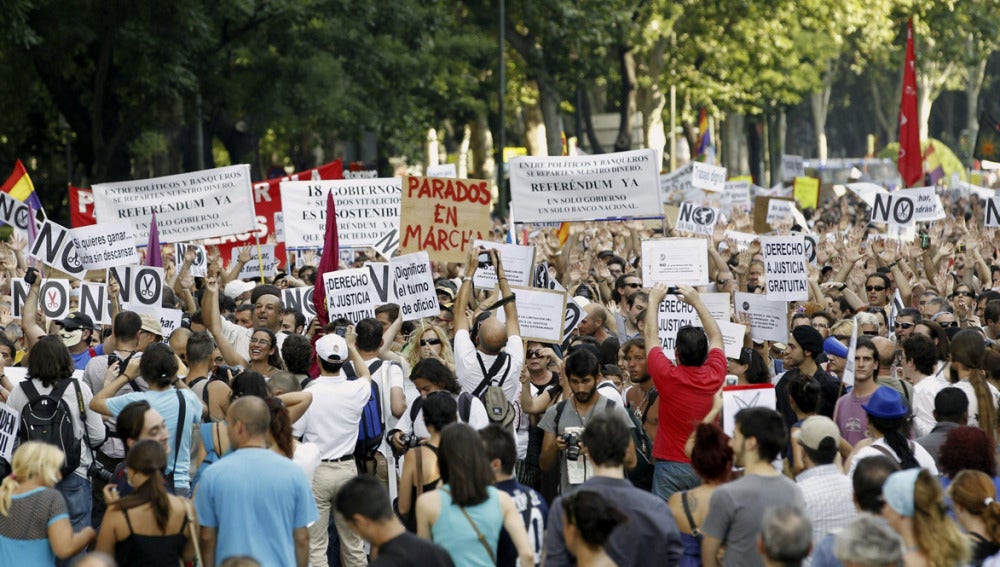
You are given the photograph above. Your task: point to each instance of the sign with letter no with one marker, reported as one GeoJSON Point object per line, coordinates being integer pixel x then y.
{"type": "Point", "coordinates": [896, 210]}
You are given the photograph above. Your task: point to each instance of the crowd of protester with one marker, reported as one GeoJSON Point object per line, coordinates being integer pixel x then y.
{"type": "Point", "coordinates": [256, 434]}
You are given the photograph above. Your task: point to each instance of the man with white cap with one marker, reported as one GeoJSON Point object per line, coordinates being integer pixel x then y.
{"type": "Point", "coordinates": [826, 490]}
{"type": "Point", "coordinates": [331, 422]}
{"type": "Point", "coordinates": [238, 291]}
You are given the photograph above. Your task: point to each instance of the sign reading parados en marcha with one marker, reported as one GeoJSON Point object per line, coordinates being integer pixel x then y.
{"type": "Point", "coordinates": [366, 210]}
{"type": "Point", "coordinates": [443, 216]}
{"type": "Point", "coordinates": [188, 206]}
{"type": "Point", "coordinates": [585, 188]}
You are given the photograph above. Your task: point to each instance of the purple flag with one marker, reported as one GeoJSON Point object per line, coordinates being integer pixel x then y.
{"type": "Point", "coordinates": [153, 257]}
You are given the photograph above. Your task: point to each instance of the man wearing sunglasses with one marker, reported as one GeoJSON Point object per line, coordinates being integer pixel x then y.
{"type": "Point", "coordinates": [905, 322]}
{"type": "Point", "coordinates": [877, 290]}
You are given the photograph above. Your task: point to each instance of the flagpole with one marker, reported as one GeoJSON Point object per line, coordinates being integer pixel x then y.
{"type": "Point", "coordinates": [260, 258]}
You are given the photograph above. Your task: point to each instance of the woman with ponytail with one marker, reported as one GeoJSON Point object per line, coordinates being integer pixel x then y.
{"type": "Point", "coordinates": [968, 352]}
{"type": "Point", "coordinates": [149, 527]}
{"type": "Point", "coordinates": [281, 441]}
{"type": "Point", "coordinates": [34, 524]}
{"type": "Point", "coordinates": [889, 429]}
{"type": "Point", "coordinates": [914, 507]}
{"type": "Point", "coordinates": [976, 510]}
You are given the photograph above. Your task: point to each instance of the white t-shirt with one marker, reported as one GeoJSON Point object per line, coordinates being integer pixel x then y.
{"type": "Point", "coordinates": [970, 392]}
{"type": "Point", "coordinates": [924, 459]}
{"type": "Point", "coordinates": [470, 373]}
{"type": "Point", "coordinates": [306, 455]}
{"type": "Point", "coordinates": [332, 420]}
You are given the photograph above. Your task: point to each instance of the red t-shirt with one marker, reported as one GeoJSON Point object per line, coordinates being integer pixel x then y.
{"type": "Point", "coordinates": [685, 394]}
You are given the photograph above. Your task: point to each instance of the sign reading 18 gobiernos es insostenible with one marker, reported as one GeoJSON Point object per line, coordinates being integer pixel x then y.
{"type": "Point", "coordinates": [584, 188]}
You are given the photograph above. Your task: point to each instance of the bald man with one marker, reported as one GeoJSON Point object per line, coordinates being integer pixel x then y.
{"type": "Point", "coordinates": [593, 325]}
{"type": "Point", "coordinates": [496, 355]}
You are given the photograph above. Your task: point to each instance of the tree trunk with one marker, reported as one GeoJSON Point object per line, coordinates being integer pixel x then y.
{"type": "Point", "coordinates": [925, 100]}
{"type": "Point", "coordinates": [775, 142]}
{"type": "Point", "coordinates": [626, 103]}
{"type": "Point", "coordinates": [734, 154]}
{"type": "Point", "coordinates": [820, 105]}
{"type": "Point", "coordinates": [885, 118]}
{"type": "Point", "coordinates": [588, 123]}
{"type": "Point", "coordinates": [534, 130]}
{"type": "Point", "coordinates": [973, 86]}
{"type": "Point", "coordinates": [755, 149]}
{"type": "Point", "coordinates": [481, 146]}
{"type": "Point", "coordinates": [651, 101]}
{"type": "Point", "coordinates": [463, 153]}
{"type": "Point", "coordinates": [548, 97]}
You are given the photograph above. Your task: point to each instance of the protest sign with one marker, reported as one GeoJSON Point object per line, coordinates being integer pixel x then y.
{"type": "Point", "coordinates": [674, 184]}
{"type": "Point", "coordinates": [736, 398]}
{"type": "Point", "coordinates": [414, 285]}
{"type": "Point", "coordinates": [708, 177]}
{"type": "Point", "coordinates": [792, 167]}
{"type": "Point", "coordinates": [381, 278]}
{"type": "Point", "coordinates": [254, 269]}
{"type": "Point", "coordinates": [733, 335]}
{"type": "Point", "coordinates": [366, 209]}
{"type": "Point", "coordinates": [442, 170]}
{"type": "Point", "coordinates": [992, 213]}
{"type": "Point", "coordinates": [779, 211]}
{"type": "Point", "coordinates": [443, 216]}
{"type": "Point", "coordinates": [673, 313]}
{"type": "Point", "coordinates": [894, 209]}
{"type": "Point", "coordinates": [199, 267]}
{"type": "Point", "coordinates": [94, 302]}
{"type": "Point", "coordinates": [188, 206]}
{"type": "Point", "coordinates": [866, 191]}
{"type": "Point", "coordinates": [105, 245]}
{"type": "Point", "coordinates": [811, 242]}
{"type": "Point", "coordinates": [928, 204]}
{"type": "Point", "coordinates": [53, 298]}
{"type": "Point", "coordinates": [785, 267]}
{"type": "Point", "coordinates": [388, 244]}
{"type": "Point", "coordinates": [574, 311]}
{"type": "Point", "coordinates": [675, 261]}
{"type": "Point", "coordinates": [10, 420]}
{"type": "Point", "coordinates": [349, 294]}
{"type": "Point", "coordinates": [15, 213]}
{"type": "Point", "coordinates": [301, 300]}
{"type": "Point", "coordinates": [170, 319]}
{"type": "Point", "coordinates": [54, 247]}
{"type": "Point", "coordinates": [806, 191]}
{"type": "Point", "coordinates": [146, 285]}
{"type": "Point", "coordinates": [743, 240]}
{"type": "Point", "coordinates": [697, 219]}
{"type": "Point", "coordinates": [735, 195]}
{"type": "Point", "coordinates": [768, 319]}
{"type": "Point", "coordinates": [516, 261]}
{"type": "Point", "coordinates": [585, 188]}
{"type": "Point", "coordinates": [540, 314]}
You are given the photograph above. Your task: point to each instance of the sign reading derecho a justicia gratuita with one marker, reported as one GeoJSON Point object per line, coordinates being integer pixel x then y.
{"type": "Point", "coordinates": [366, 210]}
{"type": "Point", "coordinates": [785, 267]}
{"type": "Point", "coordinates": [188, 206]}
{"type": "Point", "coordinates": [585, 188]}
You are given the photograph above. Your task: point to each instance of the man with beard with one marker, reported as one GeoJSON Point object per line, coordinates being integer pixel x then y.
{"type": "Point", "coordinates": [642, 398]}
{"type": "Point", "coordinates": [804, 345]}
{"type": "Point", "coordinates": [564, 422]}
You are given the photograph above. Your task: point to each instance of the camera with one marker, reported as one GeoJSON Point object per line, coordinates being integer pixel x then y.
{"type": "Point", "coordinates": [484, 259]}
{"type": "Point", "coordinates": [409, 440]}
{"type": "Point", "coordinates": [98, 472]}
{"type": "Point", "coordinates": [341, 330]}
{"type": "Point", "coordinates": [222, 372]}
{"type": "Point", "coordinates": [671, 291]}
{"type": "Point", "coordinates": [30, 276]}
{"type": "Point", "coordinates": [572, 445]}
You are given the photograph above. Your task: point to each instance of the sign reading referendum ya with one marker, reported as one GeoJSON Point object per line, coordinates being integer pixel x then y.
{"type": "Point", "coordinates": [585, 188]}
{"type": "Point", "coordinates": [443, 216]}
{"type": "Point", "coordinates": [366, 210]}
{"type": "Point", "coordinates": [188, 206]}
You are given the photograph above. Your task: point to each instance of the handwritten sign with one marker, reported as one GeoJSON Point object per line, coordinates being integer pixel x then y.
{"type": "Point", "coordinates": [414, 285]}
{"type": "Point", "coordinates": [254, 269]}
{"type": "Point", "coordinates": [366, 209]}
{"type": "Point", "coordinates": [785, 267]}
{"type": "Point", "coordinates": [10, 419]}
{"type": "Point", "coordinates": [101, 246]}
{"type": "Point", "coordinates": [708, 177]}
{"type": "Point", "coordinates": [349, 294]}
{"type": "Point", "coordinates": [443, 216]}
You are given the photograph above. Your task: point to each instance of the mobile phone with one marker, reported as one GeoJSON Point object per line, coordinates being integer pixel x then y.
{"type": "Point", "coordinates": [671, 291]}
{"type": "Point", "coordinates": [342, 331]}
{"type": "Point", "coordinates": [925, 241]}
{"type": "Point", "coordinates": [484, 259]}
{"type": "Point", "coordinates": [30, 276]}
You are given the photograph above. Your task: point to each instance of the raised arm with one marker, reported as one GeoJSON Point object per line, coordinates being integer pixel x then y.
{"type": "Point", "coordinates": [509, 308]}
{"type": "Point", "coordinates": [462, 322]}
{"type": "Point", "coordinates": [690, 296]}
{"type": "Point", "coordinates": [29, 312]}
{"type": "Point", "coordinates": [211, 317]}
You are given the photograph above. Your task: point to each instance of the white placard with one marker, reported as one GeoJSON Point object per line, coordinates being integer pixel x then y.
{"type": "Point", "coordinates": [349, 294]}
{"type": "Point", "coordinates": [9, 422]}
{"type": "Point", "coordinates": [743, 239]}
{"type": "Point", "coordinates": [15, 213]}
{"type": "Point", "coordinates": [516, 261]}
{"type": "Point", "coordinates": [442, 170]}
{"type": "Point", "coordinates": [104, 245]}
{"type": "Point", "coordinates": [585, 188]}
{"type": "Point", "coordinates": [780, 211]}
{"type": "Point", "coordinates": [785, 267]}
{"type": "Point", "coordinates": [53, 297]}
{"type": "Point", "coordinates": [768, 319]}
{"type": "Point", "coordinates": [792, 167]}
{"type": "Point", "coordinates": [732, 337]}
{"type": "Point", "coordinates": [673, 313]}
{"type": "Point", "coordinates": [675, 184]}
{"type": "Point", "coordinates": [300, 299]}
{"type": "Point", "coordinates": [170, 319]}
{"type": "Point", "coordinates": [675, 261]}
{"type": "Point", "coordinates": [252, 270]}
{"type": "Point", "coordinates": [698, 219]}
{"type": "Point", "coordinates": [928, 205]}
{"type": "Point", "coordinates": [414, 285]}
{"type": "Point", "coordinates": [94, 302]}
{"type": "Point", "coordinates": [708, 177]}
{"type": "Point", "coordinates": [54, 247]}
{"type": "Point", "coordinates": [366, 210]}
{"type": "Point", "coordinates": [146, 285]}
{"type": "Point", "coordinates": [279, 226]}
{"type": "Point", "coordinates": [381, 275]}
{"type": "Point", "coordinates": [992, 213]}
{"type": "Point", "coordinates": [388, 244]}
{"type": "Point", "coordinates": [894, 209]}
{"type": "Point", "coordinates": [188, 206]}
{"type": "Point", "coordinates": [736, 398]}
{"type": "Point", "coordinates": [541, 314]}
{"type": "Point", "coordinates": [736, 194]}
{"type": "Point", "coordinates": [199, 268]}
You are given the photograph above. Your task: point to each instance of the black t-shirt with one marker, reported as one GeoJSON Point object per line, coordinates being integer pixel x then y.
{"type": "Point", "coordinates": [409, 550]}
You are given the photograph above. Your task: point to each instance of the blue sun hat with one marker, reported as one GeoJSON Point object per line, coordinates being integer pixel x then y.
{"type": "Point", "coordinates": [898, 491]}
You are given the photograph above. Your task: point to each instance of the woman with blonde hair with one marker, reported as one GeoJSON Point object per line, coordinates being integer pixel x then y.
{"type": "Point", "coordinates": [430, 341]}
{"type": "Point", "coordinates": [34, 524]}
{"type": "Point", "coordinates": [914, 507]}
{"type": "Point", "coordinates": [973, 497]}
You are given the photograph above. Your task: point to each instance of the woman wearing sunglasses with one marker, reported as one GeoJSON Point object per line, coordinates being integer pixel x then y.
{"type": "Point", "coordinates": [430, 341]}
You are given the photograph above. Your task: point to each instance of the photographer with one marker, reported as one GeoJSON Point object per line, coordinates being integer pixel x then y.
{"type": "Point", "coordinates": [180, 408]}
{"type": "Point", "coordinates": [420, 469]}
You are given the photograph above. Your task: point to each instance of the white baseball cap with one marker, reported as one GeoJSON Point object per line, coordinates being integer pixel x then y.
{"type": "Point", "coordinates": [331, 348]}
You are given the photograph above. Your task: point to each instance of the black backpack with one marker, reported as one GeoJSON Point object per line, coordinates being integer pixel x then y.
{"type": "Point", "coordinates": [464, 407]}
{"type": "Point", "coordinates": [48, 419]}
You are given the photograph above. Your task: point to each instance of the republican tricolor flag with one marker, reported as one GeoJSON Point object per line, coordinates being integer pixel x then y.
{"type": "Point", "coordinates": [704, 150]}
{"type": "Point", "coordinates": [19, 186]}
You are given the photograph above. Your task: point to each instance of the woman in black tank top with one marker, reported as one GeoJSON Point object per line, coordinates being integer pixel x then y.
{"type": "Point", "coordinates": [148, 527]}
{"type": "Point", "coordinates": [420, 469]}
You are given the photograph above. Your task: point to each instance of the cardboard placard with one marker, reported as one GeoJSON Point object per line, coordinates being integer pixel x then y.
{"type": "Point", "coordinates": [443, 216]}
{"type": "Point", "coordinates": [806, 192]}
{"type": "Point", "coordinates": [732, 337]}
{"type": "Point", "coordinates": [541, 314]}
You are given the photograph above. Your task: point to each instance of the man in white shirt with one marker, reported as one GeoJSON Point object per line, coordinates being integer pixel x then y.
{"type": "Point", "coordinates": [919, 369]}
{"type": "Point", "coordinates": [331, 422]}
{"type": "Point", "coordinates": [267, 313]}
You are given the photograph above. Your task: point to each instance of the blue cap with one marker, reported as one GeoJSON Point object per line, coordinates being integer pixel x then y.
{"type": "Point", "coordinates": [832, 346]}
{"type": "Point", "coordinates": [898, 491]}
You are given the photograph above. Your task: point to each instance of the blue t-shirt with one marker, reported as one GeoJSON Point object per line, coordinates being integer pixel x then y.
{"type": "Point", "coordinates": [80, 360]}
{"type": "Point", "coordinates": [255, 498]}
{"type": "Point", "coordinates": [24, 538]}
{"type": "Point", "coordinates": [165, 402]}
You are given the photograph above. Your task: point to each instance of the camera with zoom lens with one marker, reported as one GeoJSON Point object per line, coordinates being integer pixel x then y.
{"type": "Point", "coordinates": [572, 445]}
{"type": "Point", "coordinates": [409, 440]}
{"type": "Point", "coordinates": [99, 472]}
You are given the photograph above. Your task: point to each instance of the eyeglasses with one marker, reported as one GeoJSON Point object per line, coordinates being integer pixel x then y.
{"type": "Point", "coordinates": [900, 325]}
{"type": "Point", "coordinates": [946, 324]}
{"type": "Point", "coordinates": [962, 294]}
{"type": "Point", "coordinates": [874, 288]}
{"type": "Point", "coordinates": [430, 342]}
{"type": "Point", "coordinates": [633, 285]}
{"type": "Point", "coordinates": [534, 353]}
{"type": "Point", "coordinates": [821, 325]}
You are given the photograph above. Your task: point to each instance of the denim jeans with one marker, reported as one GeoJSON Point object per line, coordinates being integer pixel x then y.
{"type": "Point", "coordinates": [76, 492]}
{"type": "Point", "coordinates": [671, 476]}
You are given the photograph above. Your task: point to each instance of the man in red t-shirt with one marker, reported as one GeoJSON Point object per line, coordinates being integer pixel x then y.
{"type": "Point", "coordinates": [685, 390]}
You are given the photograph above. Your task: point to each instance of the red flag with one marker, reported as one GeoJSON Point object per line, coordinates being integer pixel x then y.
{"type": "Point", "coordinates": [153, 257]}
{"type": "Point", "coordinates": [910, 167]}
{"type": "Point", "coordinates": [328, 262]}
